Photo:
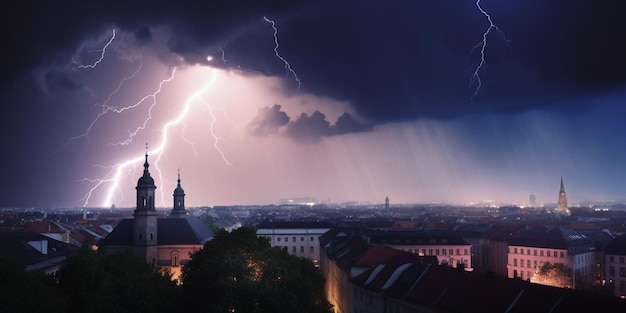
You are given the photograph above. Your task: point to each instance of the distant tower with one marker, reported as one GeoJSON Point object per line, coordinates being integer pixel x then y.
{"type": "Point", "coordinates": [532, 200]}
{"type": "Point", "coordinates": [179, 200]}
{"type": "Point", "coordinates": [562, 203]}
{"type": "Point", "coordinates": [145, 221]}
{"type": "Point", "coordinates": [387, 204]}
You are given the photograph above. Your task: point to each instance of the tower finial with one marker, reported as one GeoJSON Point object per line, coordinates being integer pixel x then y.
{"type": "Point", "coordinates": [145, 164]}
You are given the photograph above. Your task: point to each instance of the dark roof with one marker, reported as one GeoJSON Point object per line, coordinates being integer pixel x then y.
{"type": "Point", "coordinates": [414, 237]}
{"type": "Point", "coordinates": [554, 237]}
{"type": "Point", "coordinates": [16, 245]}
{"type": "Point", "coordinates": [170, 231]}
{"type": "Point", "coordinates": [311, 225]}
{"type": "Point", "coordinates": [617, 246]}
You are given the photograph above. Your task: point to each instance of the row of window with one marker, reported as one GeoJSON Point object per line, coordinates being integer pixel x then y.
{"type": "Point", "coordinates": [439, 251]}
{"type": "Point", "coordinates": [612, 259]}
{"type": "Point", "coordinates": [622, 271]}
{"type": "Point", "coordinates": [521, 263]}
{"type": "Point", "coordinates": [294, 249]}
{"type": "Point", "coordinates": [548, 253]}
{"type": "Point", "coordinates": [293, 239]}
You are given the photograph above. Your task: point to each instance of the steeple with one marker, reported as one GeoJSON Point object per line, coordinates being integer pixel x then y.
{"type": "Point", "coordinates": [562, 201]}
{"type": "Point", "coordinates": [179, 200]}
{"type": "Point", "coordinates": [145, 216]}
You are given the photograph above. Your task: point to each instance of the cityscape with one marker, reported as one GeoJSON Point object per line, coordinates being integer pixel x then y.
{"type": "Point", "coordinates": [314, 156]}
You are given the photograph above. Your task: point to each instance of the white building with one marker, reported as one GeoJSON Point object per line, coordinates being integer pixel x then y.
{"type": "Point", "coordinates": [533, 247]}
{"type": "Point", "coordinates": [298, 238]}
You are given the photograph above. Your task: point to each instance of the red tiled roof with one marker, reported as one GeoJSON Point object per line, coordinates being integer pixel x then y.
{"type": "Point", "coordinates": [43, 227]}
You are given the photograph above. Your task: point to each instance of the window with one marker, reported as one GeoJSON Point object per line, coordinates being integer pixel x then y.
{"type": "Point", "coordinates": [311, 238]}
{"type": "Point", "coordinates": [622, 271]}
{"type": "Point", "coordinates": [540, 252]}
{"type": "Point", "coordinates": [301, 249]}
{"type": "Point", "coordinates": [528, 251]}
{"type": "Point", "coordinates": [443, 251]}
{"type": "Point", "coordinates": [528, 263]}
{"type": "Point", "coordinates": [534, 251]}
{"type": "Point", "coordinates": [515, 250]}
{"type": "Point", "coordinates": [301, 238]}
{"type": "Point", "coordinates": [535, 263]}
{"type": "Point", "coordinates": [621, 259]}
{"type": "Point", "coordinates": [294, 239]}
{"type": "Point", "coordinates": [175, 259]}
{"type": "Point", "coordinates": [611, 258]}
{"type": "Point", "coordinates": [451, 251]}
{"type": "Point", "coordinates": [514, 262]}
{"type": "Point", "coordinates": [293, 249]}
{"type": "Point", "coordinates": [278, 239]}
{"type": "Point", "coordinates": [521, 262]}
{"type": "Point", "coordinates": [562, 254]}
{"type": "Point", "coordinates": [521, 250]}
{"type": "Point", "coordinates": [430, 251]}
{"type": "Point", "coordinates": [436, 251]}
{"type": "Point", "coordinates": [286, 239]}
{"type": "Point", "coordinates": [466, 251]}
{"type": "Point", "coordinates": [458, 251]}
{"type": "Point", "coordinates": [311, 249]}
{"type": "Point", "coordinates": [548, 252]}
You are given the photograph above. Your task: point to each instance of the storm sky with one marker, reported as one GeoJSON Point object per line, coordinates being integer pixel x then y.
{"type": "Point", "coordinates": [252, 101]}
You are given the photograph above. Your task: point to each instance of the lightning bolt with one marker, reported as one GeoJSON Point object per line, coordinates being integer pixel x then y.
{"type": "Point", "coordinates": [287, 65]}
{"type": "Point", "coordinates": [482, 45]}
{"type": "Point", "coordinates": [110, 182]}
{"type": "Point", "coordinates": [114, 176]}
{"type": "Point", "coordinates": [102, 52]}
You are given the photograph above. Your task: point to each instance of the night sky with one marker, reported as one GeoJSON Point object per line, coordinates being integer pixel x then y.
{"type": "Point", "coordinates": [421, 101]}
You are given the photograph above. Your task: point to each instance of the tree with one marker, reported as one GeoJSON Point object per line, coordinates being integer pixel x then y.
{"type": "Point", "coordinates": [240, 272]}
{"type": "Point", "coordinates": [22, 291]}
{"type": "Point", "coordinates": [94, 282]}
{"type": "Point", "coordinates": [557, 275]}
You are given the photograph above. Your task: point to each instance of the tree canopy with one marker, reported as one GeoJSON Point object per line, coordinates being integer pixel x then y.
{"type": "Point", "coordinates": [553, 274]}
{"type": "Point", "coordinates": [240, 272]}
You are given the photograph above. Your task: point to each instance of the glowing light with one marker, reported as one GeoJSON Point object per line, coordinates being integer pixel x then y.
{"type": "Point", "coordinates": [287, 65]}
{"type": "Point", "coordinates": [119, 169]}
{"type": "Point", "coordinates": [475, 80]}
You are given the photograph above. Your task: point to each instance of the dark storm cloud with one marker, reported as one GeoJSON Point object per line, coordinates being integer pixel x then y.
{"type": "Point", "coordinates": [393, 60]}
{"type": "Point", "coordinates": [268, 121]}
{"type": "Point", "coordinates": [305, 128]}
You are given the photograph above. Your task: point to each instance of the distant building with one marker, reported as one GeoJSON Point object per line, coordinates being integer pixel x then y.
{"type": "Point", "coordinates": [533, 247]}
{"type": "Point", "coordinates": [163, 241]}
{"type": "Point", "coordinates": [532, 200]}
{"type": "Point", "coordinates": [298, 238]}
{"type": "Point", "coordinates": [562, 201]}
{"type": "Point", "coordinates": [615, 255]}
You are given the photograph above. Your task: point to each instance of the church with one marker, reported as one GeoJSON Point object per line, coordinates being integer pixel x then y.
{"type": "Point", "coordinates": [166, 242]}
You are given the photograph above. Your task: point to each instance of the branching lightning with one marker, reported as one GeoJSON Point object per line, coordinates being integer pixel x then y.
{"type": "Point", "coordinates": [102, 52]}
{"type": "Point", "coordinates": [287, 65]}
{"type": "Point", "coordinates": [112, 179]}
{"type": "Point", "coordinates": [475, 80]}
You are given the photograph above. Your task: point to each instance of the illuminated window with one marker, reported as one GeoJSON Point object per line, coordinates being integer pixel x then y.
{"type": "Point", "coordinates": [175, 259]}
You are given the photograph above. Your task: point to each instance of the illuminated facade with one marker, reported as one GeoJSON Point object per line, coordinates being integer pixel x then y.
{"type": "Point", "coordinates": [562, 201]}
{"type": "Point", "coordinates": [166, 242]}
{"type": "Point", "coordinates": [533, 247]}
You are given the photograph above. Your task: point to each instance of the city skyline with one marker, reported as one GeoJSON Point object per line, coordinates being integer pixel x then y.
{"type": "Point", "coordinates": [422, 102]}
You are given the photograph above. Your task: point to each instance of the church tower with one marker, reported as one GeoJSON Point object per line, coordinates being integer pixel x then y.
{"type": "Point", "coordinates": [179, 201]}
{"type": "Point", "coordinates": [562, 202]}
{"type": "Point", "coordinates": [145, 217]}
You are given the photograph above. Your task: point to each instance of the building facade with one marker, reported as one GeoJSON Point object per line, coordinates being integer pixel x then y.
{"type": "Point", "coordinates": [615, 255]}
{"type": "Point", "coordinates": [298, 238]}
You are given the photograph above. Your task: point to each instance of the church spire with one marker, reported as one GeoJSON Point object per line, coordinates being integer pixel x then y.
{"type": "Point", "coordinates": [179, 200]}
{"type": "Point", "coordinates": [562, 200]}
